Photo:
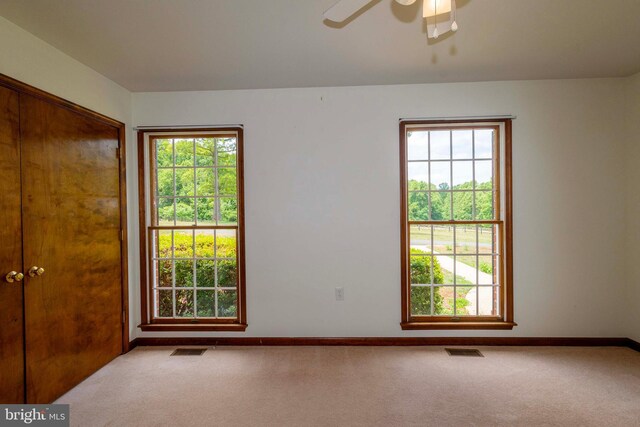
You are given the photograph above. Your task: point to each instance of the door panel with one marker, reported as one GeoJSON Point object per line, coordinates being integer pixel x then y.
{"type": "Point", "coordinates": [71, 228]}
{"type": "Point", "coordinates": [11, 326]}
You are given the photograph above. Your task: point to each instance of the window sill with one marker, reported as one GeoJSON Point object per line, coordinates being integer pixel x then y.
{"type": "Point", "coordinates": [409, 326]}
{"type": "Point", "coordinates": [159, 327]}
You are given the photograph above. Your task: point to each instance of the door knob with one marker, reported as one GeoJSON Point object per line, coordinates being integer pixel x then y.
{"type": "Point", "coordinates": [14, 276]}
{"type": "Point", "coordinates": [36, 271]}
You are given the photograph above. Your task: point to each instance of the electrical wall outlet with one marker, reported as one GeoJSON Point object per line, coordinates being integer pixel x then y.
{"type": "Point", "coordinates": [339, 294]}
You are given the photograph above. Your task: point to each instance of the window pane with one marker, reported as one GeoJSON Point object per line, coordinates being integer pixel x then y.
{"type": "Point", "coordinates": [484, 205]}
{"type": "Point", "coordinates": [227, 182]}
{"type": "Point", "coordinates": [466, 300]}
{"type": "Point", "coordinates": [228, 213]}
{"type": "Point", "coordinates": [465, 239]}
{"type": "Point", "coordinates": [205, 273]}
{"type": "Point", "coordinates": [164, 273]}
{"type": "Point", "coordinates": [184, 182]}
{"type": "Point", "coordinates": [484, 144]}
{"type": "Point", "coordinates": [184, 303]}
{"type": "Point", "coordinates": [420, 272]}
{"type": "Point", "coordinates": [420, 301]}
{"type": "Point", "coordinates": [443, 301]}
{"type": "Point", "coordinates": [464, 274]}
{"type": "Point", "coordinates": [418, 145]}
{"type": "Point", "coordinates": [164, 300]}
{"type": "Point", "coordinates": [164, 183]}
{"type": "Point", "coordinates": [183, 243]}
{"type": "Point", "coordinates": [462, 302]}
{"type": "Point", "coordinates": [463, 175]}
{"type": "Point", "coordinates": [443, 239]}
{"type": "Point", "coordinates": [184, 273]}
{"type": "Point", "coordinates": [227, 303]}
{"type": "Point", "coordinates": [184, 152]}
{"type": "Point", "coordinates": [486, 270]}
{"type": "Point", "coordinates": [164, 244]}
{"type": "Point", "coordinates": [227, 151]}
{"type": "Point", "coordinates": [441, 206]}
{"type": "Point", "coordinates": [418, 206]}
{"type": "Point", "coordinates": [462, 144]}
{"type": "Point", "coordinates": [166, 212]}
{"type": "Point", "coordinates": [227, 273]}
{"type": "Point", "coordinates": [441, 175]}
{"type": "Point", "coordinates": [440, 145]}
{"type": "Point", "coordinates": [420, 237]}
{"type": "Point", "coordinates": [164, 153]}
{"type": "Point", "coordinates": [486, 305]}
{"type": "Point", "coordinates": [205, 152]}
{"type": "Point", "coordinates": [418, 176]}
{"type": "Point", "coordinates": [206, 303]}
{"type": "Point", "coordinates": [204, 243]}
{"type": "Point", "coordinates": [205, 208]}
{"type": "Point", "coordinates": [446, 263]}
{"type": "Point", "coordinates": [484, 174]}
{"type": "Point", "coordinates": [206, 182]}
{"type": "Point", "coordinates": [463, 205]}
{"type": "Point", "coordinates": [487, 236]}
{"type": "Point", "coordinates": [226, 244]}
{"type": "Point", "coordinates": [185, 210]}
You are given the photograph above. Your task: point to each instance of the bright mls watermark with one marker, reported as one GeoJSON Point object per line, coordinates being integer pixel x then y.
{"type": "Point", "coordinates": [34, 415]}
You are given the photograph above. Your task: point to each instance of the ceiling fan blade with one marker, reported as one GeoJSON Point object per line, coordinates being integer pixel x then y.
{"type": "Point", "coordinates": [344, 9]}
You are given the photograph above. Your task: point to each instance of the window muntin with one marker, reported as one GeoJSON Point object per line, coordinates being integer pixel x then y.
{"type": "Point", "coordinates": [195, 231]}
{"type": "Point", "coordinates": [453, 226]}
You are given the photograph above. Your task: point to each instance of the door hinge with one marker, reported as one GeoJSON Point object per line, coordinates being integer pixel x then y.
{"type": "Point", "coordinates": [124, 316]}
{"type": "Point", "coordinates": [122, 235]}
{"type": "Point", "coordinates": [117, 152]}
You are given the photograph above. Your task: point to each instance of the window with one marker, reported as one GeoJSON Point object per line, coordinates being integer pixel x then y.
{"type": "Point", "coordinates": [194, 234]}
{"type": "Point", "coordinates": [456, 225]}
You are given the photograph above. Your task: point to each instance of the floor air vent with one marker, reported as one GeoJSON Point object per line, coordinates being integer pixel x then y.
{"type": "Point", "coordinates": [469, 352]}
{"type": "Point", "coordinates": [189, 352]}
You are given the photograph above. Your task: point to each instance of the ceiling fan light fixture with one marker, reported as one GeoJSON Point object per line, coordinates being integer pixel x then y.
{"type": "Point", "coordinates": [432, 8]}
{"type": "Point", "coordinates": [440, 16]}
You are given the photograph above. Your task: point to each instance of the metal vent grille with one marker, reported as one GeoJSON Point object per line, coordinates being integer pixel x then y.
{"type": "Point", "coordinates": [189, 352]}
{"type": "Point", "coordinates": [469, 352]}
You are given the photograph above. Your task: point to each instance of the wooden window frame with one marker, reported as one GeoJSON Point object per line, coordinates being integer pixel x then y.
{"type": "Point", "coordinates": [146, 170]}
{"type": "Point", "coordinates": [503, 220]}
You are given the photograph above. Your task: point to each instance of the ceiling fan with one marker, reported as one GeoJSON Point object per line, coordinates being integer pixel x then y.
{"type": "Point", "coordinates": [439, 14]}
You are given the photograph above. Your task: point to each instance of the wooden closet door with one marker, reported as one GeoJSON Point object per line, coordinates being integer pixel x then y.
{"type": "Point", "coordinates": [11, 326]}
{"type": "Point", "coordinates": [71, 229]}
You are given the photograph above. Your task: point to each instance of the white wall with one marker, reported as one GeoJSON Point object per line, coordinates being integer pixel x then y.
{"type": "Point", "coordinates": [633, 206]}
{"type": "Point", "coordinates": [30, 60]}
{"type": "Point", "coordinates": [322, 200]}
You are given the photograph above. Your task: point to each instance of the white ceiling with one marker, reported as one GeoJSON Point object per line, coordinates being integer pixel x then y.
{"type": "Point", "coordinates": [167, 45]}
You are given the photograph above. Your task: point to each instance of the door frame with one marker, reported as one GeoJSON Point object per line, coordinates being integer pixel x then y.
{"type": "Point", "coordinates": [26, 89]}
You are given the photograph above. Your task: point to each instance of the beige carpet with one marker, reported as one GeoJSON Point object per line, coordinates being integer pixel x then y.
{"type": "Point", "coordinates": [368, 386]}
